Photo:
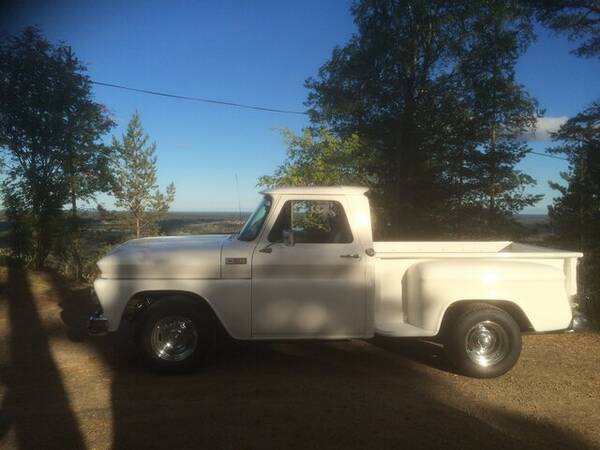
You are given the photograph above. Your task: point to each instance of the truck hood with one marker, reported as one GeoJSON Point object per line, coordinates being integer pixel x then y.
{"type": "Point", "coordinates": [183, 257]}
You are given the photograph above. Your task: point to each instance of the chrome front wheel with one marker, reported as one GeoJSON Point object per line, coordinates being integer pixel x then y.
{"type": "Point", "coordinates": [174, 338]}
{"type": "Point", "coordinates": [175, 334]}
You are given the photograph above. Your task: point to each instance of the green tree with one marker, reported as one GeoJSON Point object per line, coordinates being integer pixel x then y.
{"type": "Point", "coordinates": [317, 157]}
{"type": "Point", "coordinates": [49, 132]}
{"type": "Point", "coordinates": [457, 149]}
{"type": "Point", "coordinates": [86, 159]}
{"type": "Point", "coordinates": [383, 85]}
{"type": "Point", "coordinates": [415, 83]}
{"type": "Point", "coordinates": [575, 214]}
{"type": "Point", "coordinates": [578, 19]}
{"type": "Point", "coordinates": [134, 179]}
{"type": "Point", "coordinates": [499, 112]}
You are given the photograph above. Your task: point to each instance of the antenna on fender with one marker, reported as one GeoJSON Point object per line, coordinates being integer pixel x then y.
{"type": "Point", "coordinates": [237, 187]}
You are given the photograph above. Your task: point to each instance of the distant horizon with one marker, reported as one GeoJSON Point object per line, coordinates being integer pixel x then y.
{"type": "Point", "coordinates": [230, 211]}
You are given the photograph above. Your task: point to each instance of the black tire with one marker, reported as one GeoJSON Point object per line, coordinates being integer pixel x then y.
{"type": "Point", "coordinates": [483, 341]}
{"type": "Point", "coordinates": [181, 321]}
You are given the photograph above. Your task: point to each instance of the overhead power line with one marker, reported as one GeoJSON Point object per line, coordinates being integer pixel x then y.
{"type": "Point", "coordinates": [241, 105]}
{"type": "Point", "coordinates": [200, 99]}
{"type": "Point", "coordinates": [549, 156]}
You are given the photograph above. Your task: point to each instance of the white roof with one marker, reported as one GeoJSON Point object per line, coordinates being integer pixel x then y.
{"type": "Point", "coordinates": [317, 190]}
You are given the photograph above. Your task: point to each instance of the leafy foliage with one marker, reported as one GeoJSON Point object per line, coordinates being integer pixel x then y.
{"type": "Point", "coordinates": [134, 183]}
{"type": "Point", "coordinates": [49, 131]}
{"type": "Point", "coordinates": [578, 19]}
{"type": "Point", "coordinates": [86, 159]}
{"type": "Point", "coordinates": [383, 86]}
{"type": "Point", "coordinates": [499, 111]}
{"type": "Point", "coordinates": [21, 221]}
{"type": "Point", "coordinates": [429, 89]}
{"type": "Point", "coordinates": [575, 215]}
{"type": "Point", "coordinates": [317, 157]}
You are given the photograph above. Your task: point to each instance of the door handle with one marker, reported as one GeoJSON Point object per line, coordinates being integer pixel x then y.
{"type": "Point", "coordinates": [353, 255]}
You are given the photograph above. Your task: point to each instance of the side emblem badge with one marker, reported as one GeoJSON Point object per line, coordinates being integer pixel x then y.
{"type": "Point", "coordinates": [235, 260]}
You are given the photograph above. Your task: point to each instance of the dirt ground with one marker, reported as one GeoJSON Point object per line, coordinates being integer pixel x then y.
{"type": "Point", "coordinates": [64, 390]}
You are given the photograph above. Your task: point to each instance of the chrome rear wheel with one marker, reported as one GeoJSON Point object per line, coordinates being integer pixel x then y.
{"type": "Point", "coordinates": [482, 340]}
{"type": "Point", "coordinates": [486, 343]}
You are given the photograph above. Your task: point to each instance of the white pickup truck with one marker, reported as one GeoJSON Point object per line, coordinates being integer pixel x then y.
{"type": "Point", "coordinates": [305, 266]}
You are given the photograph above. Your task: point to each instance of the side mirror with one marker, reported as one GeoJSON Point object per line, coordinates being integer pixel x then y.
{"type": "Point", "coordinates": [288, 238]}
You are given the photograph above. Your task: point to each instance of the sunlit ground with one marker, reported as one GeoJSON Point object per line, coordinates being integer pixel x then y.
{"type": "Point", "coordinates": [62, 389]}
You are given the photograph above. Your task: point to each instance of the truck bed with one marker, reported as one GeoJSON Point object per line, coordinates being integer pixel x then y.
{"type": "Point", "coordinates": [393, 314]}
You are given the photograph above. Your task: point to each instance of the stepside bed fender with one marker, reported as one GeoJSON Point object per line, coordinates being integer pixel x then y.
{"type": "Point", "coordinates": [538, 290]}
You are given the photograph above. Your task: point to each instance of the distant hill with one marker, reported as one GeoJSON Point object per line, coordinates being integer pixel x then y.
{"type": "Point", "coordinates": [533, 219]}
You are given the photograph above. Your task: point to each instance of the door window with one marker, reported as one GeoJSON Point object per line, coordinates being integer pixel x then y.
{"type": "Point", "coordinates": [313, 222]}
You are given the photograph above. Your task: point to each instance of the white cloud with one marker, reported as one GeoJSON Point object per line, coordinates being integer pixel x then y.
{"type": "Point", "coordinates": [545, 126]}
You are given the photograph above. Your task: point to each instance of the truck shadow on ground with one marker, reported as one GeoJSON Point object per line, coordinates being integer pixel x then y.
{"type": "Point", "coordinates": [417, 350]}
{"type": "Point", "coordinates": [273, 395]}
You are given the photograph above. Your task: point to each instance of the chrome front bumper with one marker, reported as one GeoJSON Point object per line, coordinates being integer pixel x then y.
{"type": "Point", "coordinates": [97, 324]}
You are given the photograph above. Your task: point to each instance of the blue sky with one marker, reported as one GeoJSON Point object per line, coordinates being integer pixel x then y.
{"type": "Point", "coordinates": [256, 52]}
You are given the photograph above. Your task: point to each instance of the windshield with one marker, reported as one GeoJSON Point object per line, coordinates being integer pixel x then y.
{"type": "Point", "coordinates": [256, 220]}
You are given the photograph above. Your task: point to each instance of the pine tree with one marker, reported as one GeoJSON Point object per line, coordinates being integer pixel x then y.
{"type": "Point", "coordinates": [429, 88]}
{"type": "Point", "coordinates": [86, 158]}
{"type": "Point", "coordinates": [575, 215]}
{"type": "Point", "coordinates": [499, 112]}
{"type": "Point", "coordinates": [579, 20]}
{"type": "Point", "coordinates": [384, 86]}
{"type": "Point", "coordinates": [134, 180]}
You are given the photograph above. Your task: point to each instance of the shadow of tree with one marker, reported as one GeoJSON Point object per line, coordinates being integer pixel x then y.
{"type": "Point", "coordinates": [35, 403]}
{"type": "Point", "coordinates": [348, 394]}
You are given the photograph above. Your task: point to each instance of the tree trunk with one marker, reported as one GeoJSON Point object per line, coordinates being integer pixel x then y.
{"type": "Point", "coordinates": [75, 250]}
{"type": "Point", "coordinates": [460, 194]}
{"type": "Point", "coordinates": [39, 251]}
{"type": "Point", "coordinates": [76, 242]}
{"type": "Point", "coordinates": [582, 201]}
{"type": "Point", "coordinates": [492, 204]}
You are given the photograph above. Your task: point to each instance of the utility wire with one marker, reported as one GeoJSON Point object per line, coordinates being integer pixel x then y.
{"type": "Point", "coordinates": [549, 156]}
{"type": "Point", "coordinates": [199, 99]}
{"type": "Point", "coordinates": [241, 105]}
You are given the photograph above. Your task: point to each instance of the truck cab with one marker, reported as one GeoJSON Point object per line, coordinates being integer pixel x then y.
{"type": "Point", "coordinates": [308, 264]}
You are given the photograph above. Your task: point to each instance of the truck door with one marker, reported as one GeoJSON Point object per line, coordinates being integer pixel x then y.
{"type": "Point", "coordinates": [308, 273]}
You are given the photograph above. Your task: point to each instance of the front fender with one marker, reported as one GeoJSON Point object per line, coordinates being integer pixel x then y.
{"type": "Point", "coordinates": [229, 299]}
{"type": "Point", "coordinates": [537, 289]}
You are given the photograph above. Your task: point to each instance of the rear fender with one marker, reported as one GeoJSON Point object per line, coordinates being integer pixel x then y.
{"type": "Point", "coordinates": [538, 290]}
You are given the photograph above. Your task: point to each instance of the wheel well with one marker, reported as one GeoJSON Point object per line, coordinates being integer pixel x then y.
{"type": "Point", "coordinates": [141, 300]}
{"type": "Point", "coordinates": [509, 307]}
